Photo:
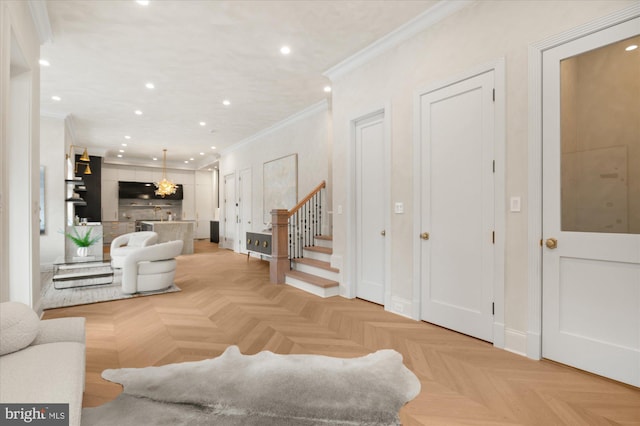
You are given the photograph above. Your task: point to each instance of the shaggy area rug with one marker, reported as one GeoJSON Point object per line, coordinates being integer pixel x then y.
{"type": "Point", "coordinates": [265, 389]}
{"type": "Point", "coordinates": [52, 298]}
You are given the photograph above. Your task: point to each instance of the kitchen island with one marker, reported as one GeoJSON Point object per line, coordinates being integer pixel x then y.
{"type": "Point", "coordinates": [172, 230]}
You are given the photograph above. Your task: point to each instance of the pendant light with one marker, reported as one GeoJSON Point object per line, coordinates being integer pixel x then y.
{"type": "Point", "coordinates": [165, 187]}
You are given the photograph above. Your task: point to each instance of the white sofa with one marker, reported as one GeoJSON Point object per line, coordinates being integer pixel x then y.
{"type": "Point", "coordinates": [150, 268]}
{"type": "Point", "coordinates": [122, 245]}
{"type": "Point", "coordinates": [41, 361]}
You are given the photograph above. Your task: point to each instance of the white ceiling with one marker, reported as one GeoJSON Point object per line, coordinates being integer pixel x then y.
{"type": "Point", "coordinates": [197, 53]}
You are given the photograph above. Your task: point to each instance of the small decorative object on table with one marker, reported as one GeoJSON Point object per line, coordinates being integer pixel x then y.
{"type": "Point", "coordinates": [82, 241]}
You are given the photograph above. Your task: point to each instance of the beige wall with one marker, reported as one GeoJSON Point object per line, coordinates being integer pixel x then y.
{"type": "Point", "coordinates": [307, 135]}
{"type": "Point", "coordinates": [482, 32]}
{"type": "Point", "coordinates": [600, 112]}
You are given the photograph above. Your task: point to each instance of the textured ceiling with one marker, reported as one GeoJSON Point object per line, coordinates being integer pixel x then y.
{"type": "Point", "coordinates": [198, 53]}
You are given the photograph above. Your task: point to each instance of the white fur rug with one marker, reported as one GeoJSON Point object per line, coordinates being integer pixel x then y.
{"type": "Point", "coordinates": [262, 389]}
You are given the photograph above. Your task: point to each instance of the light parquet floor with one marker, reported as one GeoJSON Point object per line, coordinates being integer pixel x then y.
{"type": "Point", "coordinates": [228, 300]}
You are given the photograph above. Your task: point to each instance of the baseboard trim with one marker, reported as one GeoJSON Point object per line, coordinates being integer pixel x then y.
{"type": "Point", "coordinates": [400, 306]}
{"type": "Point", "coordinates": [515, 341]}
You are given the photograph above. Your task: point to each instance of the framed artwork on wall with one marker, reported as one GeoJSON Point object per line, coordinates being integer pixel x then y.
{"type": "Point", "coordinates": [280, 185]}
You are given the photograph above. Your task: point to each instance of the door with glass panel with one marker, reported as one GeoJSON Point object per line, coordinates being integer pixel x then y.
{"type": "Point", "coordinates": [591, 203]}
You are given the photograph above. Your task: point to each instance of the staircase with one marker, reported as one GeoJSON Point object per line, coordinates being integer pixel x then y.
{"type": "Point", "coordinates": [313, 272]}
{"type": "Point", "coordinates": [301, 255]}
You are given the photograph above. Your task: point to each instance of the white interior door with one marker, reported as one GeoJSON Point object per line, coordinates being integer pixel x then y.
{"type": "Point", "coordinates": [457, 206]}
{"type": "Point", "coordinates": [230, 211]}
{"type": "Point", "coordinates": [371, 206]}
{"type": "Point", "coordinates": [244, 207]}
{"type": "Point", "coordinates": [591, 203]}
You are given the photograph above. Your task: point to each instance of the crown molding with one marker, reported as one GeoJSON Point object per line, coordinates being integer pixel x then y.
{"type": "Point", "coordinates": [323, 105]}
{"type": "Point", "coordinates": [139, 162]}
{"type": "Point", "coordinates": [40, 17]}
{"type": "Point", "coordinates": [426, 19]}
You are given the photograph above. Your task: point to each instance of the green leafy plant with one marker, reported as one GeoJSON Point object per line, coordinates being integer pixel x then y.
{"type": "Point", "coordinates": [82, 240]}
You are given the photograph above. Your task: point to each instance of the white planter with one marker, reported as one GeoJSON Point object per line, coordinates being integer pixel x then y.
{"type": "Point", "coordinates": [83, 251]}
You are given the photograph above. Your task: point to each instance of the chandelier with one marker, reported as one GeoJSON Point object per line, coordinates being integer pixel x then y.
{"type": "Point", "coordinates": [164, 186]}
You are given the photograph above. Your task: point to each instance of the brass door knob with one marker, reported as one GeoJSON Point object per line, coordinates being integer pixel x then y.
{"type": "Point", "coordinates": [383, 232]}
{"type": "Point", "coordinates": [551, 243]}
{"type": "Point", "coordinates": [424, 235]}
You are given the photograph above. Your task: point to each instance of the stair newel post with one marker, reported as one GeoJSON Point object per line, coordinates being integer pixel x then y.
{"type": "Point", "coordinates": [279, 263]}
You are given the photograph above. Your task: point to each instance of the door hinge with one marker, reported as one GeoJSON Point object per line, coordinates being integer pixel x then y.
{"type": "Point", "coordinates": [494, 95]}
{"type": "Point", "coordinates": [493, 237]}
{"type": "Point", "coordinates": [493, 308]}
{"type": "Point", "coordinates": [494, 166]}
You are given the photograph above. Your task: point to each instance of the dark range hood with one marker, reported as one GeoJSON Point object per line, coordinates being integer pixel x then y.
{"type": "Point", "coordinates": [144, 191]}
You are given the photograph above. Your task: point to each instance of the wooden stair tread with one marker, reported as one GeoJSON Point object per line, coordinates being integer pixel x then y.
{"type": "Point", "coordinates": [316, 263]}
{"type": "Point", "coordinates": [325, 237]}
{"type": "Point", "coordinates": [318, 249]}
{"type": "Point", "coordinates": [312, 279]}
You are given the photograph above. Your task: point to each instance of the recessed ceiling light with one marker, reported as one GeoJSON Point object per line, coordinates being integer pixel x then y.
{"type": "Point", "coordinates": [327, 89]}
{"type": "Point", "coordinates": [56, 98]}
{"type": "Point", "coordinates": [209, 169]}
{"type": "Point", "coordinates": [143, 2]}
{"type": "Point", "coordinates": [150, 85]}
{"type": "Point", "coordinates": [138, 112]}
{"type": "Point", "coordinates": [632, 47]}
{"type": "Point", "coordinates": [202, 123]}
{"type": "Point", "coordinates": [124, 144]}
{"type": "Point", "coordinates": [285, 50]}
{"type": "Point", "coordinates": [119, 155]}
{"type": "Point", "coordinates": [202, 153]}
{"type": "Point", "coordinates": [186, 162]}
{"type": "Point", "coordinates": [226, 102]}
{"type": "Point", "coordinates": [44, 62]}
{"type": "Point", "coordinates": [191, 159]}
{"type": "Point", "coordinates": [213, 147]}
{"type": "Point", "coordinates": [155, 158]}
{"type": "Point", "coordinates": [127, 137]}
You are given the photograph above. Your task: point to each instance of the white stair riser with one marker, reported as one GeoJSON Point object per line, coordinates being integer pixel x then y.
{"type": "Point", "coordinates": [324, 243]}
{"type": "Point", "coordinates": [318, 272]}
{"type": "Point", "coordinates": [318, 256]}
{"type": "Point", "coordinates": [313, 289]}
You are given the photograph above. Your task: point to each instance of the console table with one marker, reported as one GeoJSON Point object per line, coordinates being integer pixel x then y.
{"type": "Point", "coordinates": [259, 242]}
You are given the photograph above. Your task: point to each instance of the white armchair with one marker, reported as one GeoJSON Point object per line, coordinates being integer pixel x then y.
{"type": "Point", "coordinates": [150, 268]}
{"type": "Point", "coordinates": [122, 245]}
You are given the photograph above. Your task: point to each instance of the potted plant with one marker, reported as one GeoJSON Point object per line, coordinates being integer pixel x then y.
{"type": "Point", "coordinates": [82, 241]}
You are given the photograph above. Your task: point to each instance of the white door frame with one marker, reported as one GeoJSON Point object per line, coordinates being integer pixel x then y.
{"type": "Point", "coordinates": [351, 274]}
{"type": "Point", "coordinates": [534, 331]}
{"type": "Point", "coordinates": [498, 67]}
{"type": "Point", "coordinates": [242, 241]}
{"type": "Point", "coordinates": [223, 213]}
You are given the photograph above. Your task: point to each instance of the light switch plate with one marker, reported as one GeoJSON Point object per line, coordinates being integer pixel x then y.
{"type": "Point", "coordinates": [399, 208]}
{"type": "Point", "coordinates": [514, 204]}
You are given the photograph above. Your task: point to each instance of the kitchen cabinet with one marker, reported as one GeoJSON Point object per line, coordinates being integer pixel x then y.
{"type": "Point", "coordinates": [109, 200]}
{"type": "Point", "coordinates": [188, 202]}
{"type": "Point", "coordinates": [203, 203]}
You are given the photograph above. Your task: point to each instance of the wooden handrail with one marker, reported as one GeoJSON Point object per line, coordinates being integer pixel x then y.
{"type": "Point", "coordinates": [307, 198]}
